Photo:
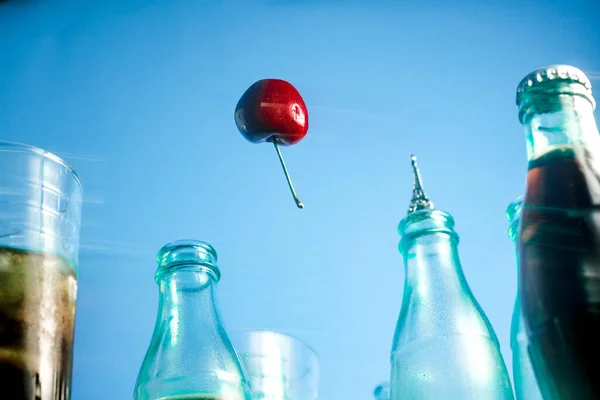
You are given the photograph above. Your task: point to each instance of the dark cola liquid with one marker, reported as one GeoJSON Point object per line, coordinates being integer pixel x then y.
{"type": "Point", "coordinates": [559, 256]}
{"type": "Point", "coordinates": [37, 318]}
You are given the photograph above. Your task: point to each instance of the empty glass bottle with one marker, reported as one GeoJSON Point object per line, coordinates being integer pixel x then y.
{"type": "Point", "coordinates": [382, 391]}
{"type": "Point", "coordinates": [190, 355]}
{"type": "Point", "coordinates": [559, 236]}
{"type": "Point", "coordinates": [444, 346]}
{"type": "Point", "coordinates": [526, 387]}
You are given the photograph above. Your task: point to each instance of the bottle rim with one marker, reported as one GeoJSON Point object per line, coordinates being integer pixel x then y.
{"type": "Point", "coordinates": [555, 74]}
{"type": "Point", "coordinates": [424, 215]}
{"type": "Point", "coordinates": [424, 222]}
{"type": "Point", "coordinates": [187, 252]}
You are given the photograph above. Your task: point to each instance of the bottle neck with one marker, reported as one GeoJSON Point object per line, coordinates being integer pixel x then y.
{"type": "Point", "coordinates": [429, 246]}
{"type": "Point", "coordinates": [437, 302]}
{"type": "Point", "coordinates": [187, 299]}
{"type": "Point", "coordinates": [557, 121]}
{"type": "Point", "coordinates": [190, 351]}
{"type": "Point", "coordinates": [433, 260]}
{"type": "Point", "coordinates": [437, 299]}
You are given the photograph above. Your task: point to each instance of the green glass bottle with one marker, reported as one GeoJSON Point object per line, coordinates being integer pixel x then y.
{"type": "Point", "coordinates": [559, 235]}
{"type": "Point", "coordinates": [526, 387]}
{"type": "Point", "coordinates": [444, 346]}
{"type": "Point", "coordinates": [190, 355]}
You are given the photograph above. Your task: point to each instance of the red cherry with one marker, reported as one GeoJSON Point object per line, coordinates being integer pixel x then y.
{"type": "Point", "coordinates": [272, 110]}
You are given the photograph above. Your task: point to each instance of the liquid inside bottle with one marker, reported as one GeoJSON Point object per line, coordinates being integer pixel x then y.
{"type": "Point", "coordinates": [559, 237]}
{"type": "Point", "coordinates": [525, 383]}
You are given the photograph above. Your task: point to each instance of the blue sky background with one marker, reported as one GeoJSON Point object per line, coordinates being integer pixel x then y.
{"type": "Point", "coordinates": [139, 97]}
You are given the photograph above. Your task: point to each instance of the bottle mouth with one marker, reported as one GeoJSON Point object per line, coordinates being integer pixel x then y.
{"type": "Point", "coordinates": [425, 222]}
{"type": "Point", "coordinates": [541, 91]}
{"type": "Point", "coordinates": [559, 78]}
{"type": "Point", "coordinates": [187, 252]}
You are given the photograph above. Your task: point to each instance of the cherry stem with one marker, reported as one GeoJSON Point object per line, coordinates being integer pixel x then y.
{"type": "Point", "coordinates": [287, 175]}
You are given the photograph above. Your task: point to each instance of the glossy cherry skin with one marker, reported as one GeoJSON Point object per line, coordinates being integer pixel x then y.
{"type": "Point", "coordinates": [272, 109]}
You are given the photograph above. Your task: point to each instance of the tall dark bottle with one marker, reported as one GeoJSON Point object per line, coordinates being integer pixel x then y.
{"type": "Point", "coordinates": [559, 235]}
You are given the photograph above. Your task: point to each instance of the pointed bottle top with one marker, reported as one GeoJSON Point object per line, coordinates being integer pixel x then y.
{"type": "Point", "coordinates": [419, 199]}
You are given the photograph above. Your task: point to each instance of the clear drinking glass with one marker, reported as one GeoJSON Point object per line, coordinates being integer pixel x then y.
{"type": "Point", "coordinates": [40, 214]}
{"type": "Point", "coordinates": [278, 366]}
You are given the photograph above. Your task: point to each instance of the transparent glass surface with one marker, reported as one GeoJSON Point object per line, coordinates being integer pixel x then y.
{"type": "Point", "coordinates": [444, 346]}
{"type": "Point", "coordinates": [40, 213]}
{"type": "Point", "coordinates": [382, 391]}
{"type": "Point", "coordinates": [278, 366]}
{"type": "Point", "coordinates": [558, 251]}
{"type": "Point", "coordinates": [525, 384]}
{"type": "Point", "coordinates": [140, 97]}
{"type": "Point", "coordinates": [190, 355]}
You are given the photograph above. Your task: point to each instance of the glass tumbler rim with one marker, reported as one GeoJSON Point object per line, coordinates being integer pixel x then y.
{"type": "Point", "coordinates": [13, 146]}
{"type": "Point", "coordinates": [281, 335]}
{"type": "Point", "coordinates": [277, 363]}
